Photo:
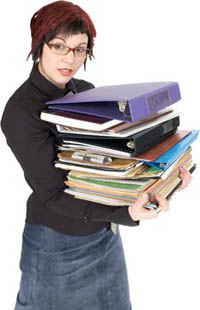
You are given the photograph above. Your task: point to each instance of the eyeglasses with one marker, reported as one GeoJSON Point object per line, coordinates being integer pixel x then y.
{"type": "Point", "coordinates": [63, 49]}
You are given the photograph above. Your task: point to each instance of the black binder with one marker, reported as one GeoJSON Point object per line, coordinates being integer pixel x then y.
{"type": "Point", "coordinates": [132, 145]}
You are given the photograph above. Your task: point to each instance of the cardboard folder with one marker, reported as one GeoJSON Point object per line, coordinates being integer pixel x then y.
{"type": "Point", "coordinates": [122, 200]}
{"type": "Point", "coordinates": [130, 146]}
{"type": "Point", "coordinates": [159, 149]}
{"type": "Point", "coordinates": [164, 161]}
{"type": "Point", "coordinates": [127, 102]}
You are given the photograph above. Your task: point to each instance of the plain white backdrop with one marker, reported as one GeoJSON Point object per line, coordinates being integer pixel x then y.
{"type": "Point", "coordinates": [137, 41]}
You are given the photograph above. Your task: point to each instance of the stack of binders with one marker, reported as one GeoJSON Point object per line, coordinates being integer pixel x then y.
{"type": "Point", "coordinates": [116, 142]}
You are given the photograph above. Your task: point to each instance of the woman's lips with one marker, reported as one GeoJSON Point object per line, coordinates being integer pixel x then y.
{"type": "Point", "coordinates": [65, 72]}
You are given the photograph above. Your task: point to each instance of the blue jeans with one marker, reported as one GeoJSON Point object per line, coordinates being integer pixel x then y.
{"type": "Point", "coordinates": [62, 272]}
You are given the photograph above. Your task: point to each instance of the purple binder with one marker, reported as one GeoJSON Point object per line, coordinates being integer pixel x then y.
{"type": "Point", "coordinates": [127, 102]}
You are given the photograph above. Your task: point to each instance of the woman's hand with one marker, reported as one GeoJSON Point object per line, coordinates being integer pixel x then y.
{"type": "Point", "coordinates": [185, 176]}
{"type": "Point", "coordinates": [138, 212]}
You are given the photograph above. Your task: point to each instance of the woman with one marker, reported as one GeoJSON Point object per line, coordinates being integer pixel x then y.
{"type": "Point", "coordinates": [71, 259]}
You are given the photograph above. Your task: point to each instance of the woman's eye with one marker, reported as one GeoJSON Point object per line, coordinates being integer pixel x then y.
{"type": "Point", "coordinates": [58, 46]}
{"type": "Point", "coordinates": [80, 50]}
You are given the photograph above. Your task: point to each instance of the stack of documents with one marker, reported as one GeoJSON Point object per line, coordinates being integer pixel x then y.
{"type": "Point", "coordinates": [117, 142]}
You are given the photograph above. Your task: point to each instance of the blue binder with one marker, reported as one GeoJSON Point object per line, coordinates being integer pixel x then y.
{"type": "Point", "coordinates": [127, 102]}
{"type": "Point", "coordinates": [164, 161]}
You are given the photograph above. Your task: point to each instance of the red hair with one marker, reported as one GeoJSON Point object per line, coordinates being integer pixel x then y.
{"type": "Point", "coordinates": [53, 16]}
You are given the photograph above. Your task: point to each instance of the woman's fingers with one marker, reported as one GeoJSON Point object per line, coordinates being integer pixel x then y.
{"type": "Point", "coordinates": [185, 176]}
{"type": "Point", "coordinates": [138, 212]}
{"type": "Point", "coordinates": [163, 203]}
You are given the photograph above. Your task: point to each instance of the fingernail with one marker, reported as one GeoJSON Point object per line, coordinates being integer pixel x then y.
{"type": "Point", "coordinates": [145, 195]}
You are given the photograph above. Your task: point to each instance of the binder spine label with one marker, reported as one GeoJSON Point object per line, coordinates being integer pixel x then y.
{"type": "Point", "coordinates": [158, 101]}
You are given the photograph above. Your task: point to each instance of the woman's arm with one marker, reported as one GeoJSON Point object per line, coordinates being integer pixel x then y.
{"type": "Point", "coordinates": [34, 147]}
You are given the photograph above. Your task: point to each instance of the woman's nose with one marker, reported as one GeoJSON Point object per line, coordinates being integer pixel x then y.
{"type": "Point", "coordinates": [69, 58]}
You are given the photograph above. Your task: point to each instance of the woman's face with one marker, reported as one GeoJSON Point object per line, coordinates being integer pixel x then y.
{"type": "Point", "coordinates": [59, 69]}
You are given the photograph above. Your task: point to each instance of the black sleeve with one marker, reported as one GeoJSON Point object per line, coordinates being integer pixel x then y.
{"type": "Point", "coordinates": [33, 144]}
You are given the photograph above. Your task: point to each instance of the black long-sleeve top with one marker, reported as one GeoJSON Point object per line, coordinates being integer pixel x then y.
{"type": "Point", "coordinates": [33, 144]}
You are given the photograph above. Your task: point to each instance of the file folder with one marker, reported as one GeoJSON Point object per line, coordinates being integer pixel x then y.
{"type": "Point", "coordinates": [162, 147]}
{"type": "Point", "coordinates": [164, 161]}
{"type": "Point", "coordinates": [126, 102]}
{"type": "Point", "coordinates": [122, 200]}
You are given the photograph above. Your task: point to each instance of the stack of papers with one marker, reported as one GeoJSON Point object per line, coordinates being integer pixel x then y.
{"type": "Point", "coordinates": [117, 142]}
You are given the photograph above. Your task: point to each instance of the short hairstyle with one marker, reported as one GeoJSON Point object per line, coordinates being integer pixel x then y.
{"type": "Point", "coordinates": [59, 16]}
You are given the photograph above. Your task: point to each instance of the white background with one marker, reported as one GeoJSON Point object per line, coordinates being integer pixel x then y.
{"type": "Point", "coordinates": [137, 41]}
